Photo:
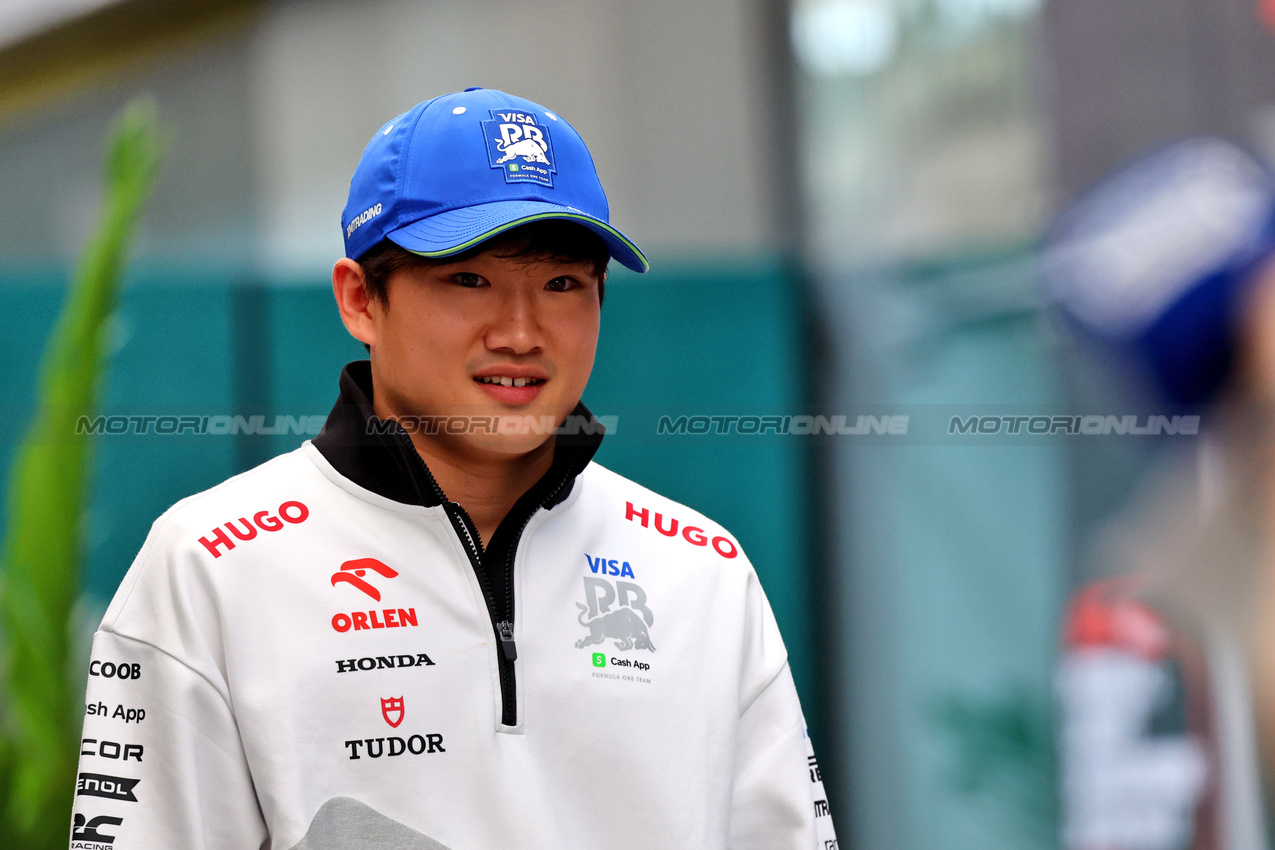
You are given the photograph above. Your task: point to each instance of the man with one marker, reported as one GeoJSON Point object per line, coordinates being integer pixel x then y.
{"type": "Point", "coordinates": [439, 625]}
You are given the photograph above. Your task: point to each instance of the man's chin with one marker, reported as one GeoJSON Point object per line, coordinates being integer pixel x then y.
{"type": "Point", "coordinates": [486, 436]}
{"type": "Point", "coordinates": [489, 448]}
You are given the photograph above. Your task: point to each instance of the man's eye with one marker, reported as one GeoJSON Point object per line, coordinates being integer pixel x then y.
{"type": "Point", "coordinates": [469, 279]}
{"type": "Point", "coordinates": [561, 284]}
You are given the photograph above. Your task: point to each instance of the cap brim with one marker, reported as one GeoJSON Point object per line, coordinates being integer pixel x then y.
{"type": "Point", "coordinates": [456, 231]}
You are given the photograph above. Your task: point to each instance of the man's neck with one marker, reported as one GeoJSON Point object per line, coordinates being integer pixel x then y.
{"type": "Point", "coordinates": [486, 488]}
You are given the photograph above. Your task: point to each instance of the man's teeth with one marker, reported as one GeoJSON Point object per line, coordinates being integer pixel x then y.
{"type": "Point", "coordinates": [510, 382]}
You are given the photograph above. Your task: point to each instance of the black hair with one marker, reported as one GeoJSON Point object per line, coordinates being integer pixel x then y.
{"type": "Point", "coordinates": [552, 240]}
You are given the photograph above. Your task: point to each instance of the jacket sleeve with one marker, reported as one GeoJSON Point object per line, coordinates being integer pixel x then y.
{"type": "Point", "coordinates": [162, 764]}
{"type": "Point", "coordinates": [778, 798]}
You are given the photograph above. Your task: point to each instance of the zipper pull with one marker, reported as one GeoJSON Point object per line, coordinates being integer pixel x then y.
{"type": "Point", "coordinates": [507, 645]}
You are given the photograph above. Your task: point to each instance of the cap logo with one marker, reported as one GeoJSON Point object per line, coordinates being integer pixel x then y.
{"type": "Point", "coordinates": [362, 218]}
{"type": "Point", "coordinates": [519, 147]}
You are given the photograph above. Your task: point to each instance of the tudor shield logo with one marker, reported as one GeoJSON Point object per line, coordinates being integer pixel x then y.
{"type": "Point", "coordinates": [392, 710]}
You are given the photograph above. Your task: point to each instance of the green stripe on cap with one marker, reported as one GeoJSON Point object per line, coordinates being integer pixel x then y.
{"type": "Point", "coordinates": [518, 222]}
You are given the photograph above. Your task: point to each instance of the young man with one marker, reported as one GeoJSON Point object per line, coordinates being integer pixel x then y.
{"type": "Point", "coordinates": [439, 625]}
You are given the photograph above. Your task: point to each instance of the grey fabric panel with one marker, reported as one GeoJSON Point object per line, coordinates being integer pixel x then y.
{"type": "Point", "coordinates": [344, 823]}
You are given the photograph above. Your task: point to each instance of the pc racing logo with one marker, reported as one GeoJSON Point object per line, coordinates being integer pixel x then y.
{"type": "Point", "coordinates": [519, 147]}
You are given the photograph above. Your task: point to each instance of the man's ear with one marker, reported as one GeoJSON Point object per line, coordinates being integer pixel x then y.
{"type": "Point", "coordinates": [353, 301]}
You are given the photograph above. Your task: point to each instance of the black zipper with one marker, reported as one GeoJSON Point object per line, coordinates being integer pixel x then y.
{"type": "Point", "coordinates": [502, 622]}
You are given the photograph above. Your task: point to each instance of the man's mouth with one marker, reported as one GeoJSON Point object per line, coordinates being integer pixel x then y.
{"type": "Point", "coordinates": [505, 381]}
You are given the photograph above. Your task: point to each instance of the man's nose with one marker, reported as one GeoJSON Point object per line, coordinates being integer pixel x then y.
{"type": "Point", "coordinates": [515, 326]}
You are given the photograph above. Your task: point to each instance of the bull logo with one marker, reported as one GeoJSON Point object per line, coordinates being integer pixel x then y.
{"type": "Point", "coordinates": [530, 150]}
{"type": "Point", "coordinates": [626, 625]}
{"type": "Point", "coordinates": [352, 572]}
{"type": "Point", "coordinates": [519, 146]}
{"type": "Point", "coordinates": [392, 710]}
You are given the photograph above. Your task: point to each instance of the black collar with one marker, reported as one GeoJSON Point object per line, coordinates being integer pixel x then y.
{"type": "Point", "coordinates": [378, 455]}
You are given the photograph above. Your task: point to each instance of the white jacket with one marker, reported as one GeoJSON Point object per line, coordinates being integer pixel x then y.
{"type": "Point", "coordinates": [310, 655]}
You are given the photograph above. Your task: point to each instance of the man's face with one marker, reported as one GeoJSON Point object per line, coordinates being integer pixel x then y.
{"type": "Point", "coordinates": [488, 337]}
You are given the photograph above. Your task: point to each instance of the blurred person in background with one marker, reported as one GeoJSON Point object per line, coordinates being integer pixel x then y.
{"type": "Point", "coordinates": [1167, 678]}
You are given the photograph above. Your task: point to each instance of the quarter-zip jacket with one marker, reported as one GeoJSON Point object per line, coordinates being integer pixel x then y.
{"type": "Point", "coordinates": [319, 653]}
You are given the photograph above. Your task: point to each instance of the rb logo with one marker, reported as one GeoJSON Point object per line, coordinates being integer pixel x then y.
{"type": "Point", "coordinates": [519, 147]}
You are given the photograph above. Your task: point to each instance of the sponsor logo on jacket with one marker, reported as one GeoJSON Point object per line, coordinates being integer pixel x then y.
{"type": "Point", "coordinates": [609, 568]}
{"type": "Point", "coordinates": [244, 529]}
{"type": "Point", "coordinates": [393, 711]}
{"type": "Point", "coordinates": [691, 534]}
{"type": "Point", "coordinates": [386, 618]}
{"type": "Point", "coordinates": [383, 662]}
{"type": "Point", "coordinates": [111, 787]}
{"type": "Point", "coordinates": [375, 748]}
{"type": "Point", "coordinates": [354, 574]}
{"type": "Point", "coordinates": [111, 670]}
{"type": "Point", "coordinates": [121, 712]}
{"type": "Point", "coordinates": [110, 749]}
{"type": "Point", "coordinates": [616, 612]}
{"type": "Point", "coordinates": [88, 833]}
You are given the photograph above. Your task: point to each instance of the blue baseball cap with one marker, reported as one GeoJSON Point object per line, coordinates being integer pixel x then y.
{"type": "Point", "coordinates": [1153, 262]}
{"type": "Point", "coordinates": [453, 172]}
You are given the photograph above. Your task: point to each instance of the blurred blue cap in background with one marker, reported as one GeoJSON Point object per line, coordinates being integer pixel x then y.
{"type": "Point", "coordinates": [1153, 261]}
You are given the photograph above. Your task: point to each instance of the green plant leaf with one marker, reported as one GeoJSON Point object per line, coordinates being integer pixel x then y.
{"type": "Point", "coordinates": [40, 568]}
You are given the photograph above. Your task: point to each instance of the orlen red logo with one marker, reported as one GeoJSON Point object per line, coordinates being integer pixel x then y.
{"type": "Point", "coordinates": [724, 546]}
{"type": "Point", "coordinates": [355, 574]}
{"type": "Point", "coordinates": [289, 512]}
{"type": "Point", "coordinates": [352, 572]}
